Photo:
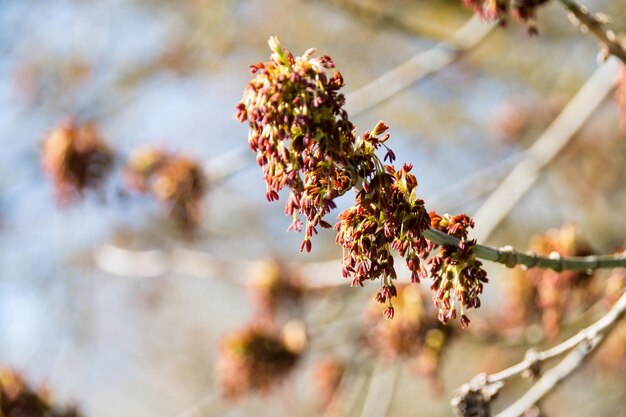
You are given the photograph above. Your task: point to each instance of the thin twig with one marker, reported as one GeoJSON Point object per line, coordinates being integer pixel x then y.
{"type": "Point", "coordinates": [579, 346]}
{"type": "Point", "coordinates": [551, 379]}
{"type": "Point", "coordinates": [320, 275]}
{"type": "Point", "coordinates": [381, 390]}
{"type": "Point", "coordinates": [594, 24]}
{"type": "Point", "coordinates": [418, 67]}
{"type": "Point", "coordinates": [545, 149]}
{"type": "Point", "coordinates": [606, 322]}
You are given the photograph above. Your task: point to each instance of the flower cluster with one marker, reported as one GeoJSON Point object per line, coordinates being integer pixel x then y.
{"type": "Point", "coordinates": [386, 215]}
{"type": "Point", "coordinates": [457, 274]}
{"type": "Point", "coordinates": [300, 132]}
{"type": "Point", "coordinates": [253, 359]}
{"type": "Point", "coordinates": [620, 97]}
{"type": "Point", "coordinates": [305, 142]}
{"type": "Point", "coordinates": [18, 399]}
{"type": "Point", "coordinates": [549, 291]}
{"type": "Point", "coordinates": [177, 182]}
{"type": "Point", "coordinates": [523, 10]}
{"type": "Point", "coordinates": [76, 158]}
{"type": "Point", "coordinates": [275, 287]}
{"type": "Point", "coordinates": [414, 334]}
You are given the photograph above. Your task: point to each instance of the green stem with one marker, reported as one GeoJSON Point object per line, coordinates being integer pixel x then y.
{"type": "Point", "coordinates": [595, 26]}
{"type": "Point", "coordinates": [510, 257]}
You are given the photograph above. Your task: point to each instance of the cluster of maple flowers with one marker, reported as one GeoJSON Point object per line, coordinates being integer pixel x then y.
{"type": "Point", "coordinates": [76, 158]}
{"type": "Point", "coordinates": [17, 398]}
{"type": "Point", "coordinates": [179, 183]}
{"type": "Point", "coordinates": [455, 271]}
{"type": "Point", "coordinates": [523, 10]}
{"type": "Point", "coordinates": [275, 287]}
{"type": "Point", "coordinates": [305, 142]}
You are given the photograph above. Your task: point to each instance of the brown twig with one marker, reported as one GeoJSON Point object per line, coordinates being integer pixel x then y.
{"type": "Point", "coordinates": [594, 24]}
{"type": "Point", "coordinates": [579, 346]}
{"type": "Point", "coordinates": [418, 67]}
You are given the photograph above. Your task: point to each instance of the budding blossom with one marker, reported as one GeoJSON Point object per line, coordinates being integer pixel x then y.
{"type": "Point", "coordinates": [76, 159]}
{"type": "Point", "coordinates": [457, 274]}
{"type": "Point", "coordinates": [300, 132]}
{"type": "Point", "coordinates": [305, 142]}
{"type": "Point", "coordinates": [177, 182]}
{"type": "Point", "coordinates": [386, 215]}
{"type": "Point", "coordinates": [522, 10]}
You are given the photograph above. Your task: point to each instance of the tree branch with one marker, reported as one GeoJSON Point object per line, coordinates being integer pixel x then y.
{"type": "Point", "coordinates": [551, 379]}
{"type": "Point", "coordinates": [418, 67]}
{"type": "Point", "coordinates": [594, 24]}
{"type": "Point", "coordinates": [583, 343]}
{"type": "Point", "coordinates": [510, 257]}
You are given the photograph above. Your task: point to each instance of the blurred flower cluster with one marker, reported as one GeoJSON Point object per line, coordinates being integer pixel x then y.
{"type": "Point", "coordinates": [327, 376]}
{"type": "Point", "coordinates": [456, 273]}
{"type": "Point", "coordinates": [522, 10]}
{"type": "Point", "coordinates": [76, 158]}
{"type": "Point", "coordinates": [18, 399]}
{"type": "Point", "coordinates": [300, 132]}
{"type": "Point", "coordinates": [620, 97]}
{"type": "Point", "coordinates": [255, 358]}
{"type": "Point", "coordinates": [547, 291]}
{"type": "Point", "coordinates": [179, 183]}
{"type": "Point", "coordinates": [414, 335]}
{"type": "Point", "coordinates": [258, 357]}
{"type": "Point", "coordinates": [275, 287]}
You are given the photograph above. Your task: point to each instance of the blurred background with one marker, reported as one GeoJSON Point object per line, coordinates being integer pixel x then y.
{"type": "Point", "coordinates": [115, 309]}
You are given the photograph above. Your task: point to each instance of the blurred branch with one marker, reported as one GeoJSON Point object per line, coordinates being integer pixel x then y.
{"type": "Point", "coordinates": [418, 67]}
{"type": "Point", "coordinates": [545, 149]}
{"type": "Point", "coordinates": [381, 390]}
{"type": "Point", "coordinates": [551, 379]}
{"type": "Point", "coordinates": [319, 276]}
{"type": "Point", "coordinates": [580, 345]}
{"type": "Point", "coordinates": [594, 24]}
{"type": "Point", "coordinates": [228, 164]}
{"type": "Point", "coordinates": [394, 18]}
{"type": "Point", "coordinates": [201, 408]}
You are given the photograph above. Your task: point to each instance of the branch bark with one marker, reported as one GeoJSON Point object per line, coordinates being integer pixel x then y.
{"type": "Point", "coordinates": [594, 24]}
{"type": "Point", "coordinates": [510, 257]}
{"type": "Point", "coordinates": [580, 347]}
